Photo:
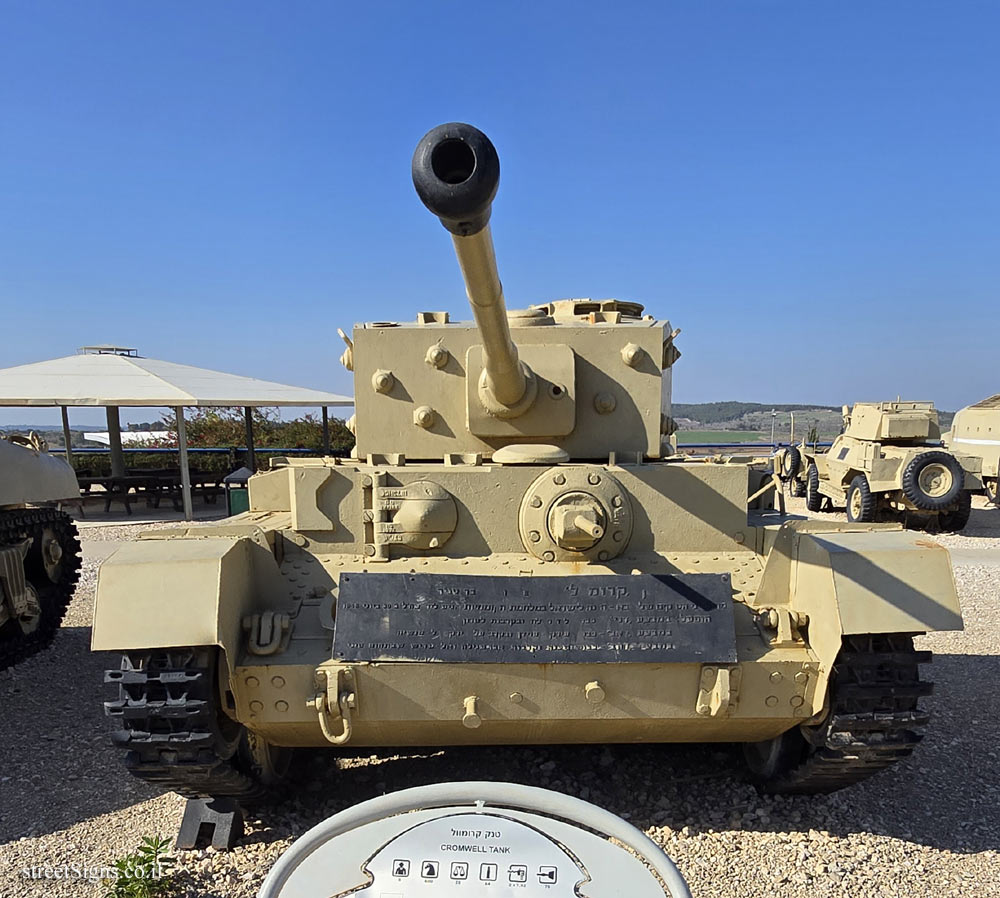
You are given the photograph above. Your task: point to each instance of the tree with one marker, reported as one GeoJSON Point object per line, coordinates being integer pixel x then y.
{"type": "Point", "coordinates": [225, 427]}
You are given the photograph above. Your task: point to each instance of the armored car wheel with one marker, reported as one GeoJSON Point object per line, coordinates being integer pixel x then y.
{"type": "Point", "coordinates": [51, 568]}
{"type": "Point", "coordinates": [872, 722]}
{"type": "Point", "coordinates": [956, 518]}
{"type": "Point", "coordinates": [862, 505]}
{"type": "Point", "coordinates": [177, 735]}
{"type": "Point", "coordinates": [933, 480]}
{"type": "Point", "coordinates": [814, 501]}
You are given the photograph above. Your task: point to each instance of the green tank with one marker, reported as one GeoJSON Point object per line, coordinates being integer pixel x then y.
{"type": "Point", "coordinates": [514, 555]}
{"type": "Point", "coordinates": [39, 550]}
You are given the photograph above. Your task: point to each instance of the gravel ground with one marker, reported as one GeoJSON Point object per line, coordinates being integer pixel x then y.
{"type": "Point", "coordinates": [930, 826]}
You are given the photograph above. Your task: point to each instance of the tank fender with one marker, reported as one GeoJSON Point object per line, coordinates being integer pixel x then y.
{"type": "Point", "coordinates": [162, 593]}
{"type": "Point", "coordinates": [887, 581]}
{"type": "Point", "coordinates": [860, 579]}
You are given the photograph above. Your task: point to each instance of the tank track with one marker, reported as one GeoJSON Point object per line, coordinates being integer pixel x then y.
{"type": "Point", "coordinates": [874, 720]}
{"type": "Point", "coordinates": [16, 525]}
{"type": "Point", "coordinates": [172, 728]}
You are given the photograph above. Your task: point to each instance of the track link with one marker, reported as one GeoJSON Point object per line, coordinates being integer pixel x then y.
{"type": "Point", "coordinates": [17, 525]}
{"type": "Point", "coordinates": [172, 727]}
{"type": "Point", "coordinates": [874, 720]}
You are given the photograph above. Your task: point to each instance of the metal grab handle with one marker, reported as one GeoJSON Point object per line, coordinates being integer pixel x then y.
{"type": "Point", "coordinates": [346, 702]}
{"type": "Point", "coordinates": [319, 702]}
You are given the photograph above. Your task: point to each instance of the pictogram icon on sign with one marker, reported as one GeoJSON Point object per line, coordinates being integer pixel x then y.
{"type": "Point", "coordinates": [488, 872]}
{"type": "Point", "coordinates": [429, 869]}
{"type": "Point", "coordinates": [400, 868]}
{"type": "Point", "coordinates": [459, 870]}
{"type": "Point", "coordinates": [547, 875]}
{"type": "Point", "coordinates": [517, 873]}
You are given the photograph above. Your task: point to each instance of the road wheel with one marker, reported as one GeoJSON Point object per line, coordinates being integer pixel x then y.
{"type": "Point", "coordinates": [862, 506]}
{"type": "Point", "coordinates": [813, 499]}
{"type": "Point", "coordinates": [933, 480]}
{"type": "Point", "coordinates": [51, 569]}
{"type": "Point", "coordinates": [956, 518]}
{"type": "Point", "coordinates": [798, 489]}
{"type": "Point", "coordinates": [873, 721]}
{"type": "Point", "coordinates": [265, 763]}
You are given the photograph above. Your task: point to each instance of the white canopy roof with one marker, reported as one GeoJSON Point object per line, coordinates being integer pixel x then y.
{"type": "Point", "coordinates": [107, 379]}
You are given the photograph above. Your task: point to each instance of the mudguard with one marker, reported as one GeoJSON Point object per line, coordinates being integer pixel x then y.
{"type": "Point", "coordinates": [161, 593]}
{"type": "Point", "coordinates": [852, 579]}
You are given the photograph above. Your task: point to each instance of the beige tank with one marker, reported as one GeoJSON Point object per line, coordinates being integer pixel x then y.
{"type": "Point", "coordinates": [890, 464]}
{"type": "Point", "coordinates": [39, 551]}
{"type": "Point", "coordinates": [976, 431]}
{"type": "Point", "coordinates": [514, 555]}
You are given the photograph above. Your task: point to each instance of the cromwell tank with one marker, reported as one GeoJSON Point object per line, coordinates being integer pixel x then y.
{"type": "Point", "coordinates": [39, 550]}
{"type": "Point", "coordinates": [513, 555]}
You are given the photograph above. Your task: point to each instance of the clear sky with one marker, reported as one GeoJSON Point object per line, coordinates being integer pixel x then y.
{"type": "Point", "coordinates": [811, 191]}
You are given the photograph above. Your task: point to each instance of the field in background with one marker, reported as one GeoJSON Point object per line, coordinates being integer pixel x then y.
{"type": "Point", "coordinates": [723, 436]}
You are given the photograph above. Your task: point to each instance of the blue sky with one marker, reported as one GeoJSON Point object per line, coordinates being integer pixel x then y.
{"type": "Point", "coordinates": [811, 191]}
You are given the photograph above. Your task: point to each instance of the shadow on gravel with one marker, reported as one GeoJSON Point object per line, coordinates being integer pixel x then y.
{"type": "Point", "coordinates": [58, 766]}
{"type": "Point", "coordinates": [983, 522]}
{"type": "Point", "coordinates": [944, 796]}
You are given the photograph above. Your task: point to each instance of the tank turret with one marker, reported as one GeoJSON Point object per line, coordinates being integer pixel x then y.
{"type": "Point", "coordinates": [573, 378]}
{"type": "Point", "coordinates": [893, 422]}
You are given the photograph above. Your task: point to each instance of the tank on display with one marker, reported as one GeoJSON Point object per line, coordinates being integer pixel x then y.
{"type": "Point", "coordinates": [890, 463]}
{"type": "Point", "coordinates": [514, 555]}
{"type": "Point", "coordinates": [39, 550]}
{"type": "Point", "coordinates": [975, 430]}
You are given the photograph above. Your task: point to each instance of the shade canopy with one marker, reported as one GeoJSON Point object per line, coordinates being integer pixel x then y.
{"type": "Point", "coordinates": [107, 378]}
{"type": "Point", "coordinates": [118, 380]}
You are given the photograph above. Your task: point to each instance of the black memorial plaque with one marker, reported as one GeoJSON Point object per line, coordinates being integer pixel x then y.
{"type": "Point", "coordinates": [460, 618]}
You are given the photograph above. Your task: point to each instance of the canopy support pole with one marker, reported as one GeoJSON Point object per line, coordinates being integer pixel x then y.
{"type": "Point", "coordinates": [326, 431]}
{"type": "Point", "coordinates": [182, 449]}
{"type": "Point", "coordinates": [115, 442]}
{"type": "Point", "coordinates": [66, 435]}
{"type": "Point", "coordinates": [251, 455]}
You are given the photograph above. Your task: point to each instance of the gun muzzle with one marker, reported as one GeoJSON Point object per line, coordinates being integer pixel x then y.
{"type": "Point", "coordinates": [456, 172]}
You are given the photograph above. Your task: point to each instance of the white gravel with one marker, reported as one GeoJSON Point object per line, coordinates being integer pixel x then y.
{"type": "Point", "coordinates": [930, 826]}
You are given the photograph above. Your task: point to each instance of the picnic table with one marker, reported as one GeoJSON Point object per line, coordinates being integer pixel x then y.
{"type": "Point", "coordinates": [152, 485]}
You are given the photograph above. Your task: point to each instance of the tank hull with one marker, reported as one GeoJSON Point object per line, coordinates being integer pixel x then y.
{"type": "Point", "coordinates": [797, 588]}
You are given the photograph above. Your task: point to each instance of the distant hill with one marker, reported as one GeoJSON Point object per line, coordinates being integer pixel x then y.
{"type": "Point", "coordinates": [722, 412]}
{"type": "Point", "coordinates": [756, 417]}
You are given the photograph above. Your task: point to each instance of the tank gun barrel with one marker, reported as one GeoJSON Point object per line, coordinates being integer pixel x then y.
{"type": "Point", "coordinates": [456, 172]}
